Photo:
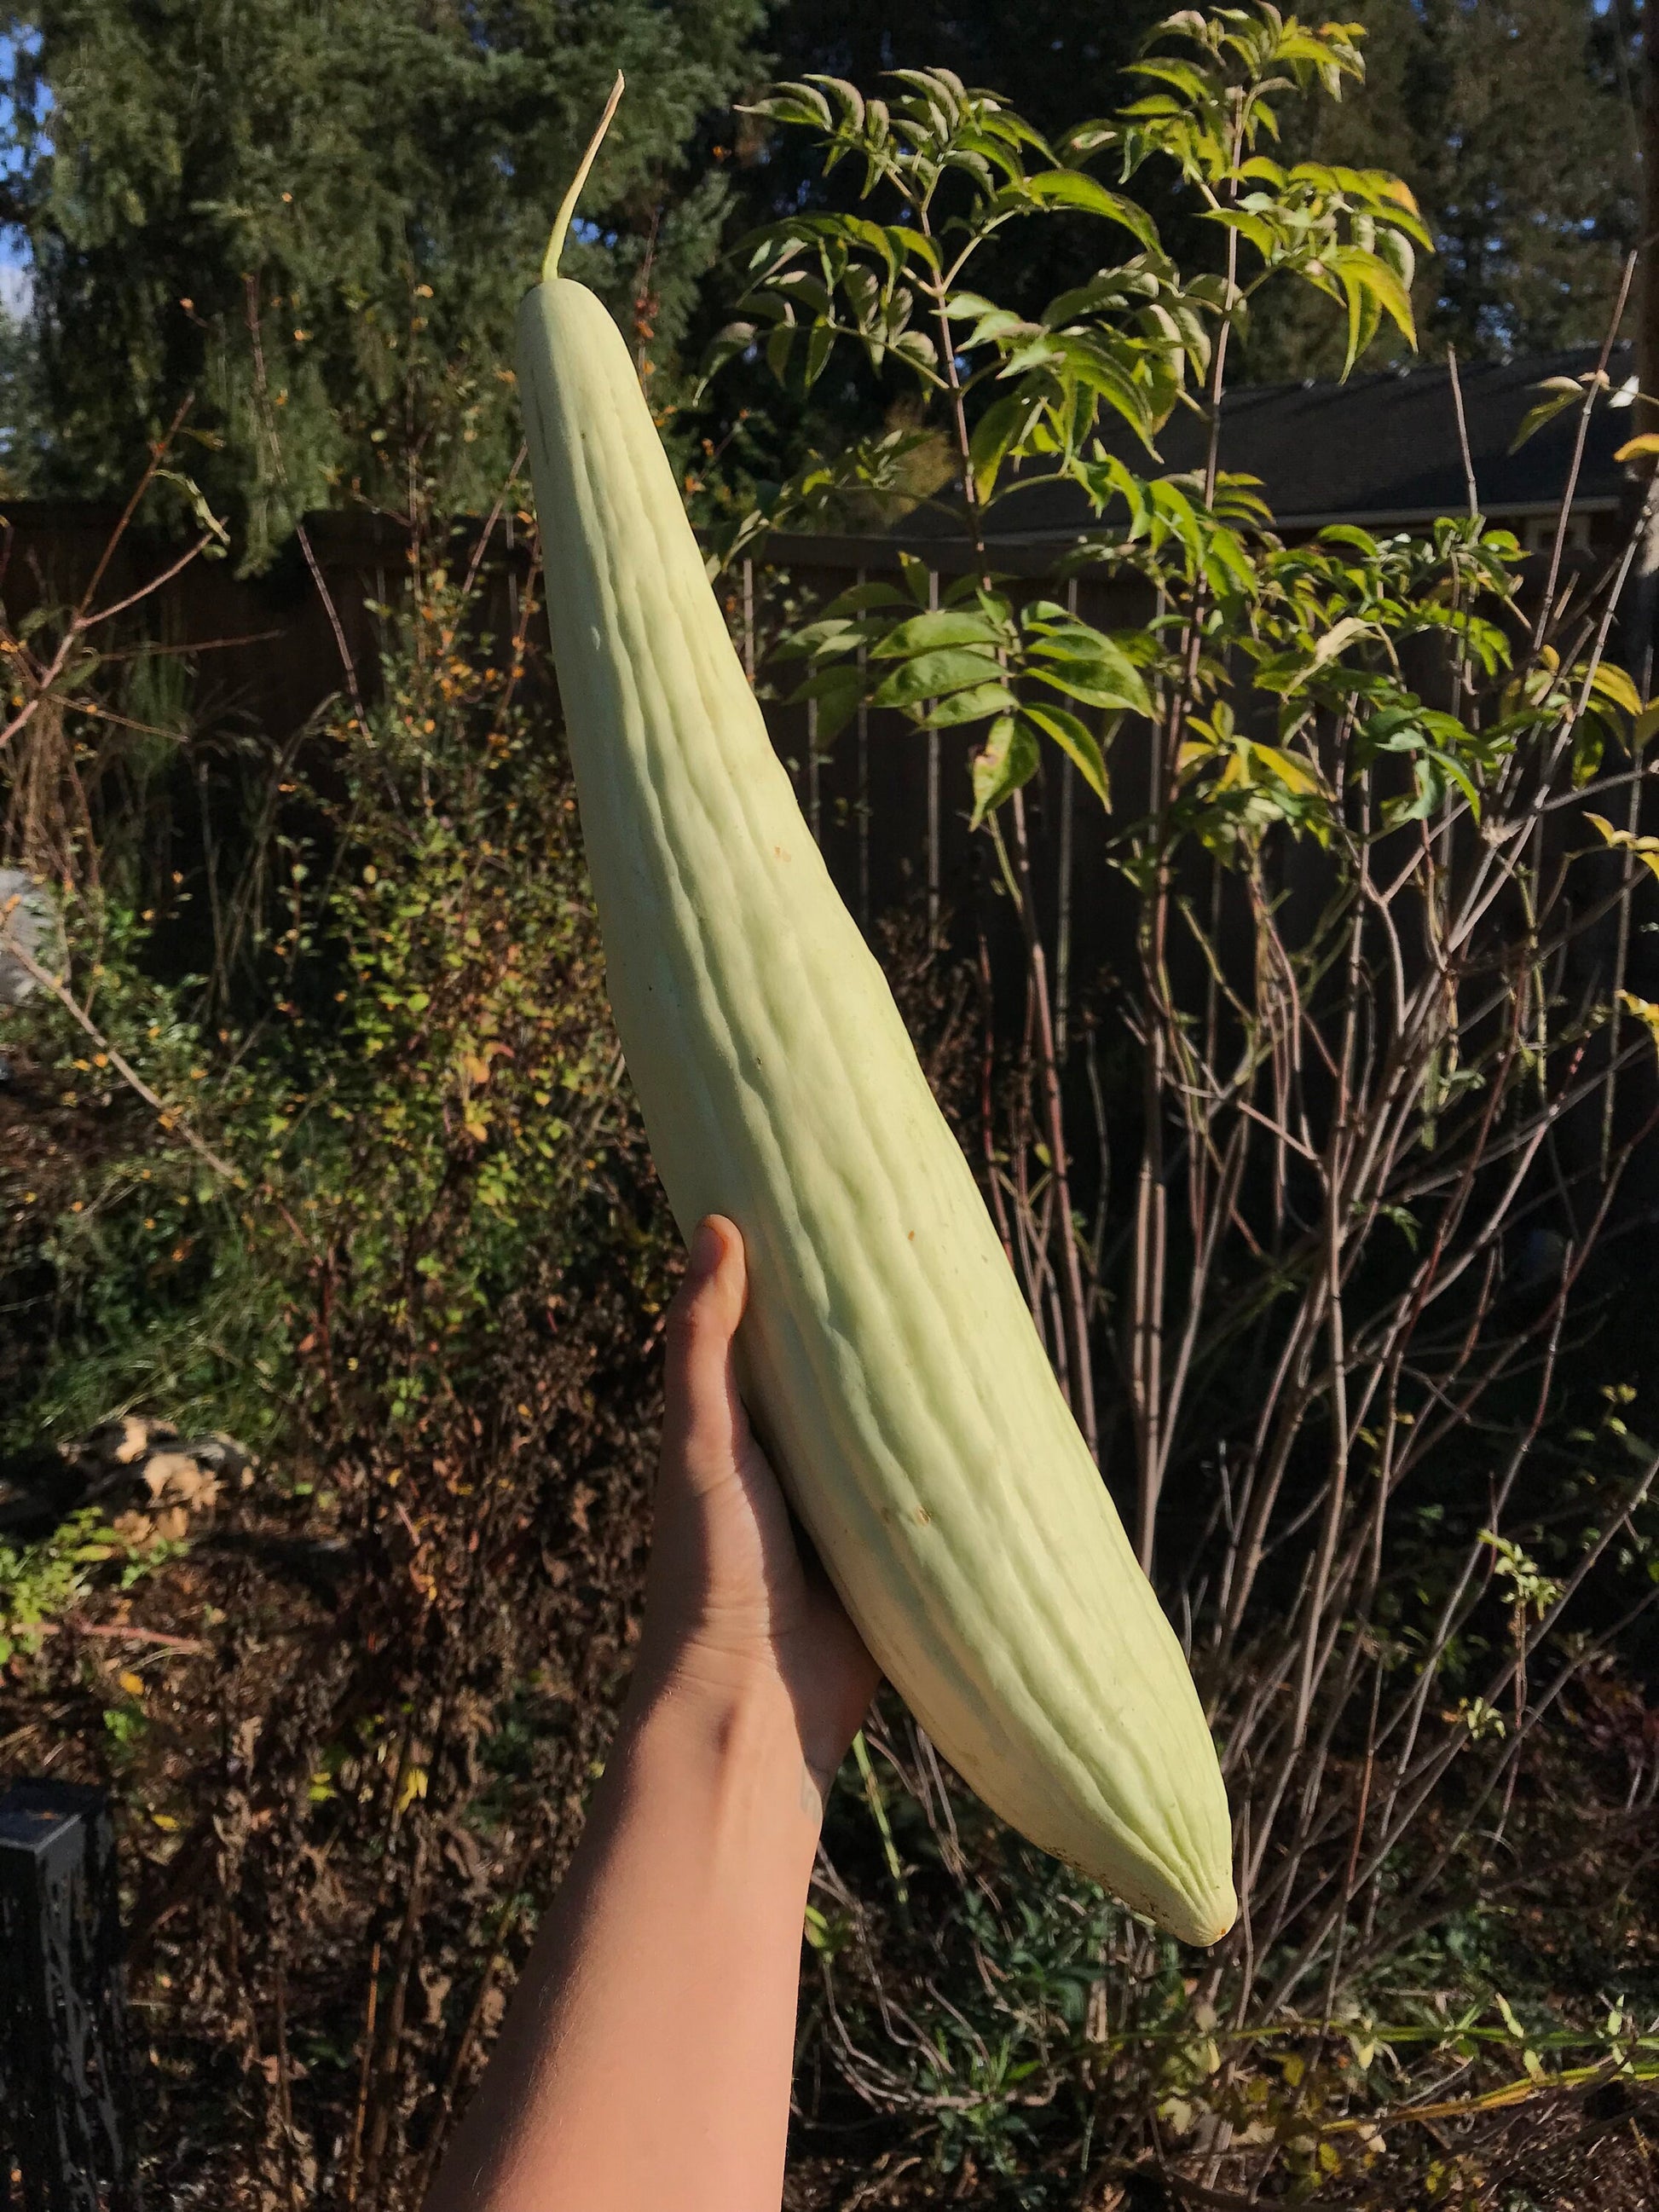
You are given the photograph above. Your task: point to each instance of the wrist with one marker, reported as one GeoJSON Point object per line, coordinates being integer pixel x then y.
{"type": "Point", "coordinates": [738, 1713]}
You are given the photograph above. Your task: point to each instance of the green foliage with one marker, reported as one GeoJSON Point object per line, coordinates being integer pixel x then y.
{"type": "Point", "coordinates": [1048, 399]}
{"type": "Point", "coordinates": [380, 1002]}
{"type": "Point", "coordinates": [413, 1081]}
{"type": "Point", "coordinates": [1320, 769]}
{"type": "Point", "coordinates": [40, 1582]}
{"type": "Point", "coordinates": [1517, 122]}
{"type": "Point", "coordinates": [1319, 630]}
{"type": "Point", "coordinates": [319, 223]}
{"type": "Point", "coordinates": [1015, 2018]}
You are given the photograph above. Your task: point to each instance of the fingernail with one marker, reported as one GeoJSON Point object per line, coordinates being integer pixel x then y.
{"type": "Point", "coordinates": [706, 1249]}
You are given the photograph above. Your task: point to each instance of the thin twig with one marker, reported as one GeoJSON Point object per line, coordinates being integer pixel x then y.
{"type": "Point", "coordinates": [1463, 435]}
{"type": "Point", "coordinates": [169, 1116]}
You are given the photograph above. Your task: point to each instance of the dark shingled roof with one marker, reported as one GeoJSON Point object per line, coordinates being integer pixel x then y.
{"type": "Point", "coordinates": [1379, 450]}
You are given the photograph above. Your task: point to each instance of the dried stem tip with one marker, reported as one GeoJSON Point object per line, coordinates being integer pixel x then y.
{"type": "Point", "coordinates": [567, 206]}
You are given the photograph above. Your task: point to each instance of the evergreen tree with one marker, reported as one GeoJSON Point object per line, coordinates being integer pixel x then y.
{"type": "Point", "coordinates": [318, 217]}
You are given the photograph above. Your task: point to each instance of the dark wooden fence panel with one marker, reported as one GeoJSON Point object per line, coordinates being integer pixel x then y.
{"type": "Point", "coordinates": [889, 805]}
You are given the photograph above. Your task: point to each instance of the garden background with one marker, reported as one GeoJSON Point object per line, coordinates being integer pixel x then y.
{"type": "Point", "coordinates": [1272, 911]}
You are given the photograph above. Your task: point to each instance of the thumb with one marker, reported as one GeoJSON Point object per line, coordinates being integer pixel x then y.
{"type": "Point", "coordinates": [704, 1426]}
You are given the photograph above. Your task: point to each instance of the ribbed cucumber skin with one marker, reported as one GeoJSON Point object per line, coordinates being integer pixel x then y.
{"type": "Point", "coordinates": [887, 1355]}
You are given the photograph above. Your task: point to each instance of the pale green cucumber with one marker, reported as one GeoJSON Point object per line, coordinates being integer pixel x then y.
{"type": "Point", "coordinates": [887, 1355]}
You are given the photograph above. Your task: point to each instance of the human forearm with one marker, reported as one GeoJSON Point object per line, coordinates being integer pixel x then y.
{"type": "Point", "coordinates": [645, 2064]}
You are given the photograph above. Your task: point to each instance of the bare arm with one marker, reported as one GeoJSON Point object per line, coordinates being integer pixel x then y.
{"type": "Point", "coordinates": [645, 2063]}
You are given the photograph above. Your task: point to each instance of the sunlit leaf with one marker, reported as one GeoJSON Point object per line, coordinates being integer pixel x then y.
{"type": "Point", "coordinates": [1612, 682]}
{"type": "Point", "coordinates": [1080, 744]}
{"type": "Point", "coordinates": [1087, 665]}
{"type": "Point", "coordinates": [1646, 849]}
{"type": "Point", "coordinates": [1075, 188]}
{"type": "Point", "coordinates": [1008, 759]}
{"type": "Point", "coordinates": [978, 703]}
{"type": "Point", "coordinates": [1294, 774]}
{"type": "Point", "coordinates": [930, 674]}
{"type": "Point", "coordinates": [941, 626]}
{"type": "Point", "coordinates": [1562, 391]}
{"type": "Point", "coordinates": [999, 430]}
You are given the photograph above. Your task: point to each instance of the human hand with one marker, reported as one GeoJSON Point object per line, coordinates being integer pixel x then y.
{"type": "Point", "coordinates": [731, 1602]}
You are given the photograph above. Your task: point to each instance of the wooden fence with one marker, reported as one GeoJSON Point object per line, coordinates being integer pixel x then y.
{"type": "Point", "coordinates": [889, 806]}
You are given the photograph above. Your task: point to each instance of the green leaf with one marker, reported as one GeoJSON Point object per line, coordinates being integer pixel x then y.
{"type": "Point", "coordinates": [918, 349]}
{"type": "Point", "coordinates": [978, 703]}
{"type": "Point", "coordinates": [861, 597]}
{"type": "Point", "coordinates": [777, 351]}
{"type": "Point", "coordinates": [1371, 289]}
{"type": "Point", "coordinates": [1008, 759]}
{"type": "Point", "coordinates": [1260, 233]}
{"type": "Point", "coordinates": [1296, 775]}
{"type": "Point", "coordinates": [1378, 279]}
{"type": "Point", "coordinates": [918, 578]}
{"type": "Point", "coordinates": [1564, 391]}
{"type": "Point", "coordinates": [725, 345]}
{"type": "Point", "coordinates": [1087, 360]}
{"type": "Point", "coordinates": [930, 674]}
{"type": "Point", "coordinates": [839, 692]}
{"type": "Point", "coordinates": [1349, 534]}
{"type": "Point", "coordinates": [999, 430]}
{"type": "Point", "coordinates": [1080, 744]}
{"type": "Point", "coordinates": [1075, 188]}
{"type": "Point", "coordinates": [942, 626]}
{"type": "Point", "coordinates": [1094, 687]}
{"type": "Point", "coordinates": [996, 323]}
{"type": "Point", "coordinates": [1185, 76]}
{"type": "Point", "coordinates": [819, 346]}
{"type": "Point", "coordinates": [1089, 667]}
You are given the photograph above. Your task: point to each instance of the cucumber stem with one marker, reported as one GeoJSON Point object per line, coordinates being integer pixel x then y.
{"type": "Point", "coordinates": [568, 205]}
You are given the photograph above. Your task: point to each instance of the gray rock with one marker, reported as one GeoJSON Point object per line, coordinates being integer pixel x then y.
{"type": "Point", "coordinates": [28, 917]}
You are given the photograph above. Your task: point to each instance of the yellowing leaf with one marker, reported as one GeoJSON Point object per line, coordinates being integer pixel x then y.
{"type": "Point", "coordinates": [1613, 684]}
{"type": "Point", "coordinates": [1646, 849]}
{"type": "Point", "coordinates": [132, 1683]}
{"type": "Point", "coordinates": [1644, 1011]}
{"type": "Point", "coordinates": [1078, 742]}
{"type": "Point", "coordinates": [1296, 773]}
{"type": "Point", "coordinates": [1339, 636]}
{"type": "Point", "coordinates": [1634, 448]}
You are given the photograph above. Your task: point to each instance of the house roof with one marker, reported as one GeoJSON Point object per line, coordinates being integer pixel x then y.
{"type": "Point", "coordinates": [1380, 450]}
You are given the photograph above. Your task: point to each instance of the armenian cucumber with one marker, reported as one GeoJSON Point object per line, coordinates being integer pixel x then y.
{"type": "Point", "coordinates": [887, 1356]}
